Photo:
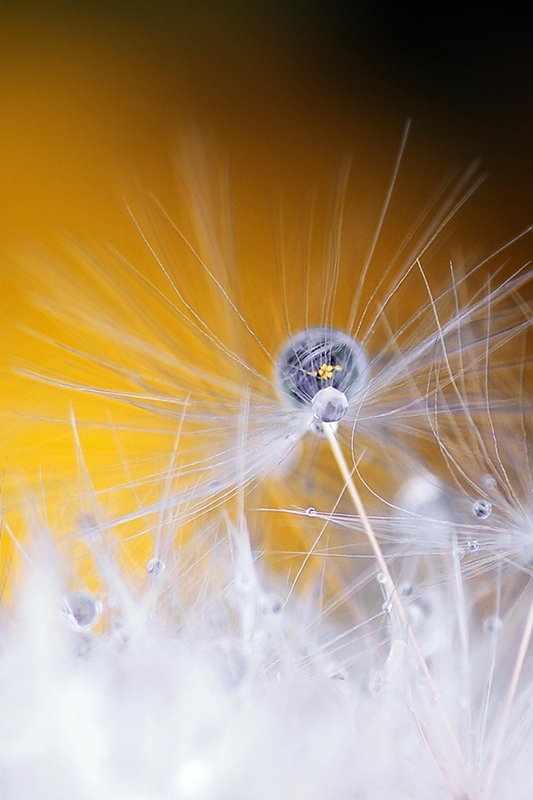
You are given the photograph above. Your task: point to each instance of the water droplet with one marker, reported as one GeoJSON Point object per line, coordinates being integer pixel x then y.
{"type": "Point", "coordinates": [489, 481]}
{"type": "Point", "coordinates": [387, 607]}
{"type": "Point", "coordinates": [317, 427]}
{"type": "Point", "coordinates": [482, 508]}
{"type": "Point", "coordinates": [329, 405]}
{"type": "Point", "coordinates": [155, 566]}
{"type": "Point", "coordinates": [320, 358]}
{"type": "Point", "coordinates": [81, 610]}
{"type": "Point", "coordinates": [381, 577]}
{"type": "Point", "coordinates": [492, 625]}
{"type": "Point", "coordinates": [311, 511]}
{"type": "Point", "coordinates": [473, 546]}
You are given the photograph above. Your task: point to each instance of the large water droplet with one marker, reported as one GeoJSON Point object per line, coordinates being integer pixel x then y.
{"type": "Point", "coordinates": [321, 358]}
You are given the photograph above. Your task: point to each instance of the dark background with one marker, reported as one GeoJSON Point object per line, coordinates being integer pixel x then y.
{"type": "Point", "coordinates": [464, 73]}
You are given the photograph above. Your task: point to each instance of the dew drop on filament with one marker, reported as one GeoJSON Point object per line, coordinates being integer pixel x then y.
{"type": "Point", "coordinates": [81, 610]}
{"type": "Point", "coordinates": [482, 508]}
{"type": "Point", "coordinates": [155, 566]}
{"type": "Point", "coordinates": [329, 405]}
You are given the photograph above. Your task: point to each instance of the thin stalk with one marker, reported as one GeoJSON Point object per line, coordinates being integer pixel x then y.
{"type": "Point", "coordinates": [394, 596]}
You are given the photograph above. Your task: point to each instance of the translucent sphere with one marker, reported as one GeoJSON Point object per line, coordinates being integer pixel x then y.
{"type": "Point", "coordinates": [318, 359]}
{"type": "Point", "coordinates": [329, 405]}
{"type": "Point", "coordinates": [482, 509]}
{"type": "Point", "coordinates": [81, 610]}
{"type": "Point", "coordinates": [155, 566]}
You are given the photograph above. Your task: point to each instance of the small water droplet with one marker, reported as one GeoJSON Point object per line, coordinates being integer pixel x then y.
{"type": "Point", "coordinates": [155, 566]}
{"type": "Point", "coordinates": [311, 511]}
{"type": "Point", "coordinates": [482, 508]}
{"type": "Point", "coordinates": [381, 577]}
{"type": "Point", "coordinates": [387, 607]}
{"type": "Point", "coordinates": [318, 427]}
{"type": "Point", "coordinates": [329, 405]}
{"type": "Point", "coordinates": [81, 610]}
{"type": "Point", "coordinates": [473, 546]}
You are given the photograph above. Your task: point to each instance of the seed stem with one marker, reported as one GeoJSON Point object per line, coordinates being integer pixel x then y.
{"type": "Point", "coordinates": [394, 596]}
